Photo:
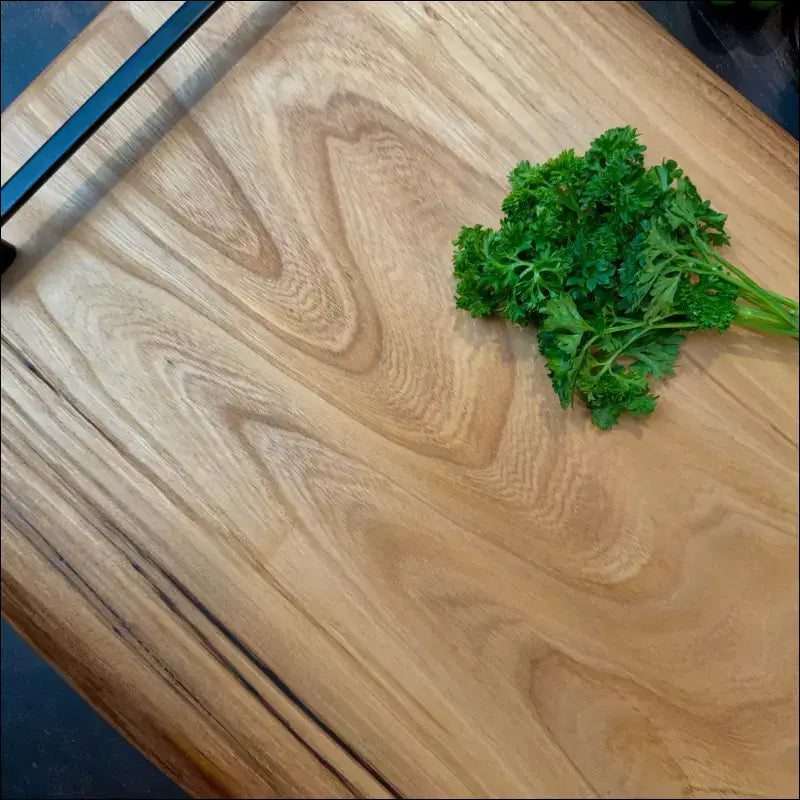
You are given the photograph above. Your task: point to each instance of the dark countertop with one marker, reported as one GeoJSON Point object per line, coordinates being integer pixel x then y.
{"type": "Point", "coordinates": [752, 51]}
{"type": "Point", "coordinates": [53, 743]}
{"type": "Point", "coordinates": [34, 33]}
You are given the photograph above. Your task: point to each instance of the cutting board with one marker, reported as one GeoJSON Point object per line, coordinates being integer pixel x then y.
{"type": "Point", "coordinates": [295, 525]}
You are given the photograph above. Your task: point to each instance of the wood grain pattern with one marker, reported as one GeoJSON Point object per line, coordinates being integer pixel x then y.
{"type": "Point", "coordinates": [296, 526]}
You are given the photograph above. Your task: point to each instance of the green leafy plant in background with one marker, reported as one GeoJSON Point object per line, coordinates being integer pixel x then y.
{"type": "Point", "coordinates": [615, 263]}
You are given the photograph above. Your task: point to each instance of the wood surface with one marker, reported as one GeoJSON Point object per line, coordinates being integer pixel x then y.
{"type": "Point", "coordinates": [299, 528]}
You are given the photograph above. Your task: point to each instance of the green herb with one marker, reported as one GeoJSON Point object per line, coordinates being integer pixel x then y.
{"type": "Point", "coordinates": [615, 263]}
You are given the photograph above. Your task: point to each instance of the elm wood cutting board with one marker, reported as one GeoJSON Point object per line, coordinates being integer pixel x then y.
{"type": "Point", "coordinates": [299, 528]}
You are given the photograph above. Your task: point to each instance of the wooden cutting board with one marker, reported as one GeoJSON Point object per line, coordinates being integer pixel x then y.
{"type": "Point", "coordinates": [299, 528]}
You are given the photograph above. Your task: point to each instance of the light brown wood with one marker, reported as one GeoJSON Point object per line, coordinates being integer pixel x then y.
{"type": "Point", "coordinates": [298, 527]}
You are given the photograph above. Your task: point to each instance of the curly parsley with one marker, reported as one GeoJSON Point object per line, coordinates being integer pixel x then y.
{"type": "Point", "coordinates": [615, 263]}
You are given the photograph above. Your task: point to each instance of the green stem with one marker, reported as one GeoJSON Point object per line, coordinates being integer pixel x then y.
{"type": "Point", "coordinates": [759, 326]}
{"type": "Point", "coordinates": [784, 301]}
{"type": "Point", "coordinates": [749, 311]}
{"type": "Point", "coordinates": [748, 290]}
{"type": "Point", "coordinates": [784, 306]}
{"type": "Point", "coordinates": [792, 305]}
{"type": "Point", "coordinates": [639, 323]}
{"type": "Point", "coordinates": [757, 294]}
{"type": "Point", "coordinates": [528, 267]}
{"type": "Point", "coordinates": [646, 329]}
{"type": "Point", "coordinates": [618, 328]}
{"type": "Point", "coordinates": [673, 325]}
{"type": "Point", "coordinates": [785, 315]}
{"type": "Point", "coordinates": [610, 362]}
{"type": "Point", "coordinates": [587, 346]}
{"type": "Point", "coordinates": [764, 321]}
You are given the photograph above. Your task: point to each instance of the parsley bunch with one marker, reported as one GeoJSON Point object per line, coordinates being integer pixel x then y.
{"type": "Point", "coordinates": [615, 263]}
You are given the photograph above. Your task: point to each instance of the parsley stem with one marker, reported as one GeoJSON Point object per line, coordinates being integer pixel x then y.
{"type": "Point", "coordinates": [780, 304]}
{"type": "Point", "coordinates": [585, 348]}
{"type": "Point", "coordinates": [767, 298]}
{"type": "Point", "coordinates": [747, 287]}
{"type": "Point", "coordinates": [610, 362]}
{"type": "Point", "coordinates": [758, 325]}
{"type": "Point", "coordinates": [786, 301]}
{"type": "Point", "coordinates": [673, 325]}
{"type": "Point", "coordinates": [779, 298]}
{"type": "Point", "coordinates": [763, 320]}
{"type": "Point", "coordinates": [618, 328]}
{"type": "Point", "coordinates": [639, 323]}
{"type": "Point", "coordinates": [750, 311]}
{"type": "Point", "coordinates": [528, 267]}
{"type": "Point", "coordinates": [638, 335]}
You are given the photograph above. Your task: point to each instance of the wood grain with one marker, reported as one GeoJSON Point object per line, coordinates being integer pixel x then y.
{"type": "Point", "coordinates": [296, 526]}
